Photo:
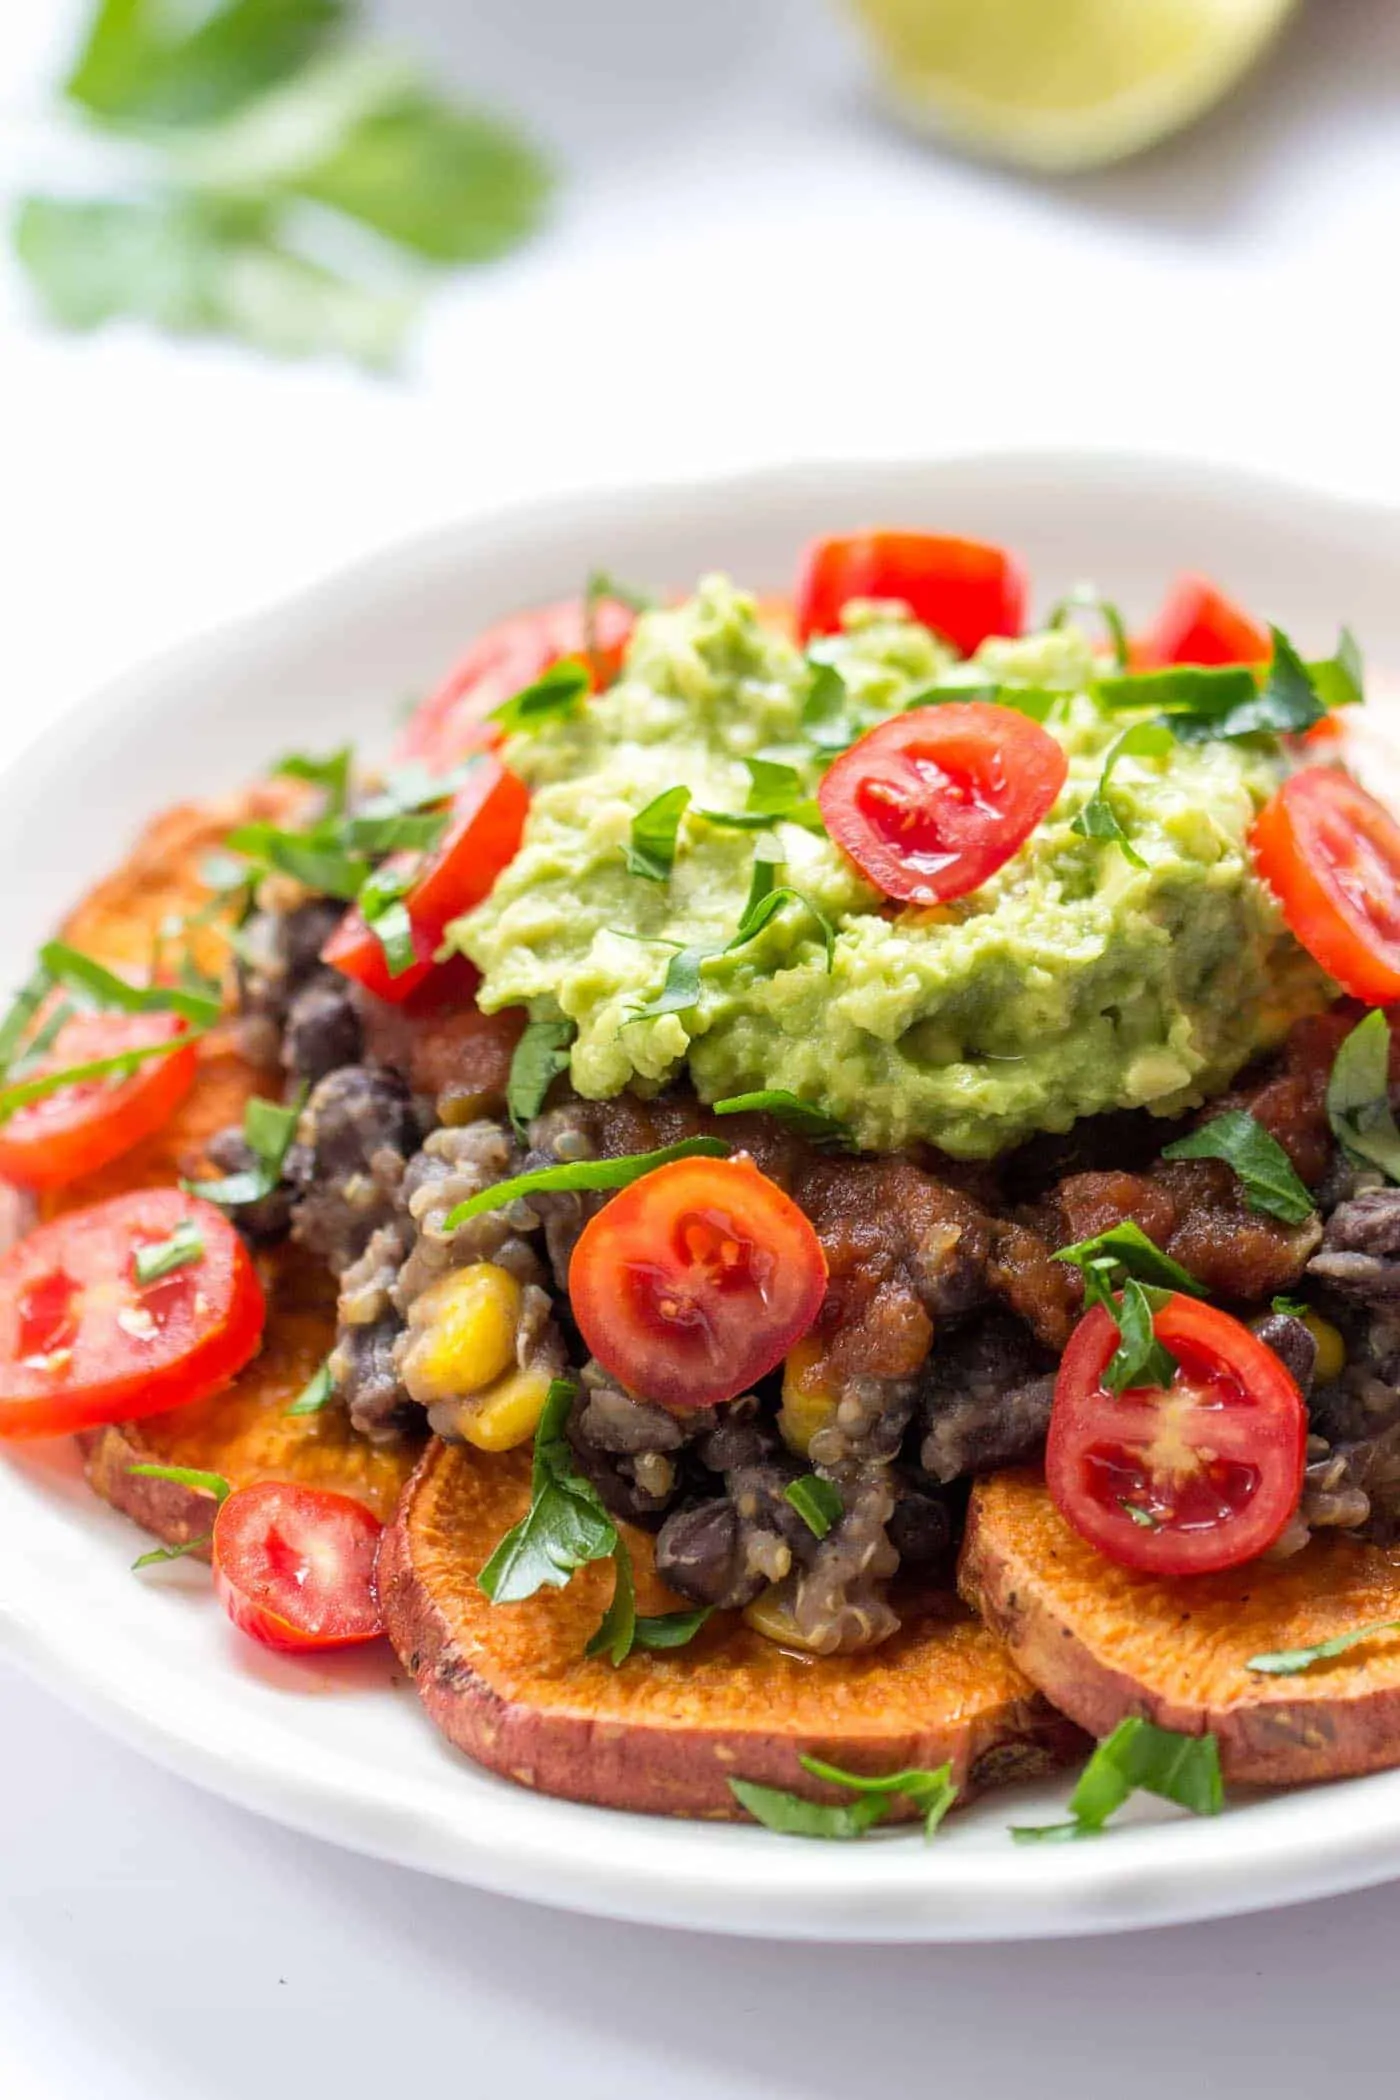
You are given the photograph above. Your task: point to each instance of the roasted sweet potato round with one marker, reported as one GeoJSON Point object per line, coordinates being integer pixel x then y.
{"type": "Point", "coordinates": [1103, 1643]}
{"type": "Point", "coordinates": [510, 1684]}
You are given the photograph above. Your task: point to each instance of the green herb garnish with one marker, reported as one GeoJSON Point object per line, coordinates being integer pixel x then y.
{"type": "Point", "coordinates": [651, 848]}
{"type": "Point", "coordinates": [213, 1484]}
{"type": "Point", "coordinates": [1084, 598]}
{"type": "Point", "coordinates": [1266, 1173]}
{"type": "Point", "coordinates": [1291, 1308]}
{"type": "Point", "coordinates": [775, 796]}
{"type": "Point", "coordinates": [247, 112]}
{"type": "Point", "coordinates": [670, 1629]}
{"type": "Point", "coordinates": [802, 1116]}
{"type": "Point", "coordinates": [268, 1130]}
{"type": "Point", "coordinates": [331, 773]}
{"type": "Point", "coordinates": [382, 907]}
{"type": "Point", "coordinates": [536, 1062]}
{"type": "Point", "coordinates": [318, 1392]}
{"type": "Point", "coordinates": [1291, 1662]}
{"type": "Point", "coordinates": [557, 694]}
{"type": "Point", "coordinates": [1340, 680]}
{"type": "Point", "coordinates": [1125, 1250]}
{"type": "Point", "coordinates": [1358, 1097]}
{"type": "Point", "coordinates": [102, 988]}
{"type": "Point", "coordinates": [680, 987]}
{"type": "Point", "coordinates": [1140, 1359]}
{"type": "Point", "coordinates": [22, 1091]}
{"type": "Point", "coordinates": [1138, 1757]}
{"type": "Point", "coordinates": [566, 1525]}
{"type": "Point", "coordinates": [1098, 819]}
{"type": "Point", "coordinates": [582, 1174]}
{"type": "Point", "coordinates": [315, 857]}
{"type": "Point", "coordinates": [20, 1016]}
{"type": "Point", "coordinates": [817, 1501]}
{"type": "Point", "coordinates": [185, 1245]}
{"type": "Point", "coordinates": [829, 722]}
{"type": "Point", "coordinates": [792, 1815]}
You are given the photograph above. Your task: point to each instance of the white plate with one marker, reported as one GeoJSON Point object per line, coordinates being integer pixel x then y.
{"type": "Point", "coordinates": [342, 1750]}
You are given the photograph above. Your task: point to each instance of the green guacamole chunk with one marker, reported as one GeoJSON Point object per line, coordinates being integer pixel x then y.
{"type": "Point", "coordinates": [1071, 983]}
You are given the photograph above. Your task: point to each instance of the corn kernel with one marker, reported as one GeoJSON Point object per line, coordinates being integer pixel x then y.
{"type": "Point", "coordinates": [807, 1404]}
{"type": "Point", "coordinates": [463, 1332]}
{"type": "Point", "coordinates": [507, 1413]}
{"type": "Point", "coordinates": [1331, 1349]}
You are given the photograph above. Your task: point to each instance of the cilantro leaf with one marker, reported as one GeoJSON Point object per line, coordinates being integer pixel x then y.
{"type": "Point", "coordinates": [1140, 1359]}
{"type": "Point", "coordinates": [1125, 1250]}
{"type": "Point", "coordinates": [680, 987]}
{"type": "Point", "coordinates": [670, 1629]}
{"type": "Point", "coordinates": [162, 1553]}
{"type": "Point", "coordinates": [775, 795]}
{"type": "Point", "coordinates": [1266, 1173]}
{"type": "Point", "coordinates": [192, 264]}
{"type": "Point", "coordinates": [1291, 1662]}
{"type": "Point", "coordinates": [1286, 704]}
{"type": "Point", "coordinates": [315, 857]}
{"type": "Point", "coordinates": [793, 1816]}
{"type": "Point", "coordinates": [1098, 819]}
{"type": "Point", "coordinates": [185, 1245]}
{"type": "Point", "coordinates": [1181, 691]}
{"type": "Point", "coordinates": [566, 1525]}
{"type": "Point", "coordinates": [817, 1501]}
{"type": "Point", "coordinates": [1084, 598]}
{"type": "Point", "coordinates": [317, 1394]}
{"type": "Point", "coordinates": [20, 1015]}
{"type": "Point", "coordinates": [102, 988]}
{"type": "Point", "coordinates": [803, 1116]}
{"type": "Point", "coordinates": [1138, 1756]}
{"type": "Point", "coordinates": [331, 773]}
{"type": "Point", "coordinates": [556, 694]}
{"type": "Point", "coordinates": [828, 720]}
{"type": "Point", "coordinates": [186, 1476]}
{"type": "Point", "coordinates": [22, 1091]}
{"type": "Point", "coordinates": [1358, 1097]}
{"type": "Point", "coordinates": [651, 848]}
{"type": "Point", "coordinates": [146, 65]}
{"type": "Point", "coordinates": [932, 1793]}
{"type": "Point", "coordinates": [268, 1130]}
{"type": "Point", "coordinates": [536, 1062]}
{"type": "Point", "coordinates": [1340, 680]}
{"type": "Point", "coordinates": [382, 907]}
{"type": "Point", "coordinates": [583, 1174]}
{"type": "Point", "coordinates": [618, 1626]}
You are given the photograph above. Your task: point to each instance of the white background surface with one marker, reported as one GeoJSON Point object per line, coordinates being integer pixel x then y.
{"type": "Point", "coordinates": [746, 262]}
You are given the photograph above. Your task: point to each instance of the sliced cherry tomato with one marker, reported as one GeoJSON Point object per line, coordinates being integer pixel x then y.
{"type": "Point", "coordinates": [80, 1128]}
{"type": "Point", "coordinates": [1185, 1481]}
{"type": "Point", "coordinates": [1199, 625]}
{"type": "Point", "coordinates": [294, 1566]}
{"type": "Point", "coordinates": [453, 721]}
{"type": "Point", "coordinates": [1331, 855]}
{"type": "Point", "coordinates": [83, 1342]}
{"type": "Point", "coordinates": [963, 589]}
{"type": "Point", "coordinates": [695, 1281]}
{"type": "Point", "coordinates": [932, 803]}
{"type": "Point", "coordinates": [483, 832]}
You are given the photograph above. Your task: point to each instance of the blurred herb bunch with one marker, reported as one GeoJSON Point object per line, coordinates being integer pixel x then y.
{"type": "Point", "coordinates": [284, 181]}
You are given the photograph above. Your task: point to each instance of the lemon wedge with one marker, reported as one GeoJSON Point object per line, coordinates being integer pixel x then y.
{"type": "Point", "coordinates": [1064, 84]}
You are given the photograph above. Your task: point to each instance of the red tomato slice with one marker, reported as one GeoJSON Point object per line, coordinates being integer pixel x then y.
{"type": "Point", "coordinates": [80, 1128]}
{"type": "Point", "coordinates": [83, 1342]}
{"type": "Point", "coordinates": [1331, 855]}
{"type": "Point", "coordinates": [453, 721]}
{"type": "Point", "coordinates": [696, 1281]}
{"type": "Point", "coordinates": [1213, 1466]}
{"type": "Point", "coordinates": [1199, 625]}
{"type": "Point", "coordinates": [932, 803]}
{"type": "Point", "coordinates": [294, 1566]}
{"type": "Point", "coordinates": [482, 835]}
{"type": "Point", "coordinates": [963, 589]}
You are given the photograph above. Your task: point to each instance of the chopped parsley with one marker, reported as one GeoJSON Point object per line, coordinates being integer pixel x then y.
{"type": "Point", "coordinates": [1358, 1097]}
{"type": "Point", "coordinates": [1098, 819]}
{"type": "Point", "coordinates": [554, 695]}
{"type": "Point", "coordinates": [793, 1815]}
{"type": "Point", "coordinates": [268, 1130]}
{"type": "Point", "coordinates": [651, 848]}
{"type": "Point", "coordinates": [536, 1062]}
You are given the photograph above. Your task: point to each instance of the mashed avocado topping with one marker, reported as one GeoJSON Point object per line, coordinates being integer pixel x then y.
{"type": "Point", "coordinates": [1074, 981]}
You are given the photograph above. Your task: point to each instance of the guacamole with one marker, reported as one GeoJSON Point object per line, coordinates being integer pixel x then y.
{"type": "Point", "coordinates": [1076, 980]}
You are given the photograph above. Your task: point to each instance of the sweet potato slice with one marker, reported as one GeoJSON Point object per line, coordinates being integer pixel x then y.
{"type": "Point", "coordinates": [1103, 1643]}
{"type": "Point", "coordinates": [511, 1685]}
{"type": "Point", "coordinates": [243, 1432]}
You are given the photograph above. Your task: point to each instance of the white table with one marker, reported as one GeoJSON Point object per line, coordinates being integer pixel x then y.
{"type": "Point", "coordinates": [745, 262]}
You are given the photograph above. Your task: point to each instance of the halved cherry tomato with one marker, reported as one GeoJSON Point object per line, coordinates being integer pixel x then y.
{"type": "Point", "coordinates": [963, 589]}
{"type": "Point", "coordinates": [83, 1342]}
{"type": "Point", "coordinates": [453, 721]}
{"type": "Point", "coordinates": [1331, 855]}
{"type": "Point", "coordinates": [483, 832]}
{"type": "Point", "coordinates": [80, 1128]}
{"type": "Point", "coordinates": [696, 1281]}
{"type": "Point", "coordinates": [1199, 625]}
{"type": "Point", "coordinates": [294, 1566]}
{"type": "Point", "coordinates": [932, 803]}
{"type": "Point", "coordinates": [1185, 1481]}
